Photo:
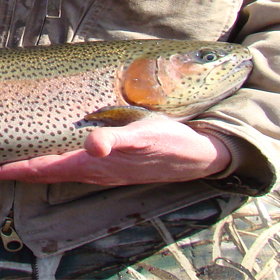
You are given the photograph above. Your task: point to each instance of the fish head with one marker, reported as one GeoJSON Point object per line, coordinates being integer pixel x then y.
{"type": "Point", "coordinates": [185, 78]}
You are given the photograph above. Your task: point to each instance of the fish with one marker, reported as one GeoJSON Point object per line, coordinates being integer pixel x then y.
{"type": "Point", "coordinates": [52, 97]}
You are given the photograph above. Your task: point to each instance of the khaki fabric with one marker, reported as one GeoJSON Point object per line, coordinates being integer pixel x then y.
{"type": "Point", "coordinates": [59, 217]}
{"type": "Point", "coordinates": [32, 22]}
{"type": "Point", "coordinates": [253, 113]}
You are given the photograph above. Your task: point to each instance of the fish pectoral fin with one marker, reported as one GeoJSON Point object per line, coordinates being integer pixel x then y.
{"type": "Point", "coordinates": [118, 115]}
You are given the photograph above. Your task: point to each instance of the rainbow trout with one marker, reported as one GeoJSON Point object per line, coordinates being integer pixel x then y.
{"type": "Point", "coordinates": [52, 97]}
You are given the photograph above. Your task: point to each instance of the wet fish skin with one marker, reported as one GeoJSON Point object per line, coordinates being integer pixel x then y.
{"type": "Point", "coordinates": [46, 92]}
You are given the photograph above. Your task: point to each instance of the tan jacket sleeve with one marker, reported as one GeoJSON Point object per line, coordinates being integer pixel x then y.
{"type": "Point", "coordinates": [249, 121]}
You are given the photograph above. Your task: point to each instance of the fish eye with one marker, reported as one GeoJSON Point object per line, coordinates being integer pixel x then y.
{"type": "Point", "coordinates": [207, 55]}
{"type": "Point", "coordinates": [210, 57]}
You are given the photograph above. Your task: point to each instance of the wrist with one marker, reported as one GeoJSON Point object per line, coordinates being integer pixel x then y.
{"type": "Point", "coordinates": [219, 155]}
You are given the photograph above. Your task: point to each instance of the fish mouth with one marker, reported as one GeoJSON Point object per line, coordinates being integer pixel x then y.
{"type": "Point", "coordinates": [243, 69]}
{"type": "Point", "coordinates": [243, 64]}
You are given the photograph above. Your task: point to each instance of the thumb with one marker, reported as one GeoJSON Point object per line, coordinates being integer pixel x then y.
{"type": "Point", "coordinates": [103, 140]}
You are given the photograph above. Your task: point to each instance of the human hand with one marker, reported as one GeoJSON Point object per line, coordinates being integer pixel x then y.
{"type": "Point", "coordinates": [145, 151]}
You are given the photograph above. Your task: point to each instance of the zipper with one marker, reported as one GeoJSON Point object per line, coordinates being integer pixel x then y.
{"type": "Point", "coordinates": [11, 240]}
{"type": "Point", "coordinates": [45, 268]}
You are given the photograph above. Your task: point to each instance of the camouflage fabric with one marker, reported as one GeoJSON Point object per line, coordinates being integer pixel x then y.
{"type": "Point", "coordinates": [243, 244]}
{"type": "Point", "coordinates": [107, 256]}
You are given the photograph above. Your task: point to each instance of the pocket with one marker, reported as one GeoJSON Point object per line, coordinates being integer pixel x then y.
{"type": "Point", "coordinates": [66, 192]}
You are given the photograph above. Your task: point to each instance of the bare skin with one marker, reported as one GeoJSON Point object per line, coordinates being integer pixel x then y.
{"type": "Point", "coordinates": [141, 152]}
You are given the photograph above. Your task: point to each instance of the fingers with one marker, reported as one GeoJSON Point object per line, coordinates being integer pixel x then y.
{"type": "Point", "coordinates": [72, 166]}
{"type": "Point", "coordinates": [45, 169]}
